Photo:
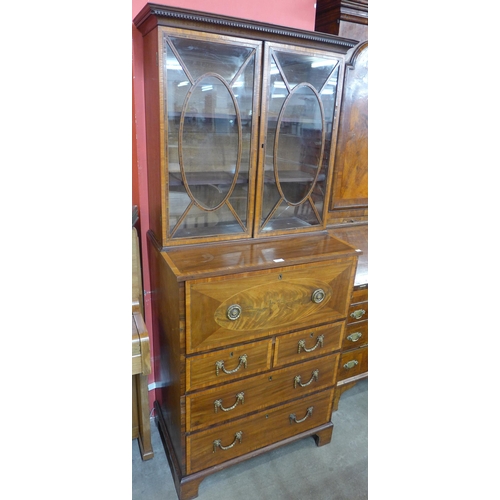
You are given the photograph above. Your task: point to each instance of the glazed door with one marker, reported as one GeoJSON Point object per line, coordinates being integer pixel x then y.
{"type": "Point", "coordinates": [298, 128]}
{"type": "Point", "coordinates": [210, 95]}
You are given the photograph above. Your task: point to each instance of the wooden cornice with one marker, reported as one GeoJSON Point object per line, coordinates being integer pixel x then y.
{"type": "Point", "coordinates": [354, 11]}
{"type": "Point", "coordinates": [153, 14]}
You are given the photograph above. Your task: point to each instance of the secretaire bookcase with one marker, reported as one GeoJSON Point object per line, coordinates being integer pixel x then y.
{"type": "Point", "coordinates": [250, 293]}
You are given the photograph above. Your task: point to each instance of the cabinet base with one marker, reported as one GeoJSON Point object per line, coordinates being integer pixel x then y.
{"type": "Point", "coordinates": [187, 486]}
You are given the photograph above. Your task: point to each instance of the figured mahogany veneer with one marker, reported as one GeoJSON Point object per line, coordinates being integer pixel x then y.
{"type": "Point", "coordinates": [233, 388]}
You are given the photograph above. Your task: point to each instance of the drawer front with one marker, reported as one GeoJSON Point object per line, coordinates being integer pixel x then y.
{"type": "Point", "coordinates": [214, 446]}
{"type": "Point", "coordinates": [359, 295]}
{"type": "Point", "coordinates": [220, 404]}
{"type": "Point", "coordinates": [227, 365]}
{"type": "Point", "coordinates": [356, 335]}
{"type": "Point", "coordinates": [238, 308]}
{"type": "Point", "coordinates": [308, 343]}
{"type": "Point", "coordinates": [358, 312]}
{"type": "Point", "coordinates": [353, 363]}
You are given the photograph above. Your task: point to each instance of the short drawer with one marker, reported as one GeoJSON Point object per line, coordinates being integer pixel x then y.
{"type": "Point", "coordinates": [232, 309]}
{"type": "Point", "coordinates": [219, 444]}
{"type": "Point", "coordinates": [359, 295]}
{"type": "Point", "coordinates": [308, 343]}
{"type": "Point", "coordinates": [227, 365]}
{"type": "Point", "coordinates": [356, 335]}
{"type": "Point", "coordinates": [217, 405]}
{"type": "Point", "coordinates": [357, 312]}
{"type": "Point", "coordinates": [353, 363]}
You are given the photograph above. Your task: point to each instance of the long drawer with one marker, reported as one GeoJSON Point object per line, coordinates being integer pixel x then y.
{"type": "Point", "coordinates": [227, 441]}
{"type": "Point", "coordinates": [232, 400]}
{"type": "Point", "coordinates": [227, 310]}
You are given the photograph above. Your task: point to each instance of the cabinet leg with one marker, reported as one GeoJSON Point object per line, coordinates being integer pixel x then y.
{"type": "Point", "coordinates": [324, 436]}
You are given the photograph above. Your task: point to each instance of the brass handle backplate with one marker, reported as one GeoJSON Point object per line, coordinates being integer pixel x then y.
{"type": "Point", "coordinates": [218, 443]}
{"type": "Point", "coordinates": [302, 344]}
{"type": "Point", "coordinates": [297, 379]}
{"type": "Point", "coordinates": [358, 314]}
{"type": "Point", "coordinates": [233, 312]}
{"type": "Point", "coordinates": [318, 296]}
{"type": "Point", "coordinates": [350, 364]}
{"type": "Point", "coordinates": [219, 365]}
{"type": "Point", "coordinates": [354, 337]}
{"type": "Point", "coordinates": [240, 398]}
{"type": "Point", "coordinates": [293, 418]}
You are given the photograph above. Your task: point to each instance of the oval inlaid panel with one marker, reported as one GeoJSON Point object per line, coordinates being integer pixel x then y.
{"type": "Point", "coordinates": [210, 142]}
{"type": "Point", "coordinates": [272, 304]}
{"type": "Point", "coordinates": [302, 116]}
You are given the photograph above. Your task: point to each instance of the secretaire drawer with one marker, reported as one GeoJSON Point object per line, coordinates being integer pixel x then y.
{"type": "Point", "coordinates": [227, 365]}
{"type": "Point", "coordinates": [232, 309]}
{"type": "Point", "coordinates": [229, 401]}
{"type": "Point", "coordinates": [357, 312]}
{"type": "Point", "coordinates": [356, 335]}
{"type": "Point", "coordinates": [227, 441]}
{"type": "Point", "coordinates": [353, 363]}
{"type": "Point", "coordinates": [308, 343]}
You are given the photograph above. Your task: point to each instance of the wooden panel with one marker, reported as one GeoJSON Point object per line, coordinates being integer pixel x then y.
{"type": "Point", "coordinates": [350, 185]}
{"type": "Point", "coordinates": [201, 370]}
{"type": "Point", "coordinates": [277, 425]}
{"type": "Point", "coordinates": [355, 331]}
{"type": "Point", "coordinates": [359, 355]}
{"type": "Point", "coordinates": [271, 302]}
{"type": "Point", "coordinates": [317, 342]}
{"type": "Point", "coordinates": [261, 391]}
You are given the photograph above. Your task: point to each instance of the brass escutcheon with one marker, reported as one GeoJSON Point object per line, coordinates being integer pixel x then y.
{"type": "Point", "coordinates": [233, 312]}
{"type": "Point", "coordinates": [318, 296]}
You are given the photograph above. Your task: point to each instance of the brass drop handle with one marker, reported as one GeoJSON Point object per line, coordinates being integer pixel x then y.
{"type": "Point", "coordinates": [218, 443]}
{"type": "Point", "coordinates": [350, 364]}
{"type": "Point", "coordinates": [240, 398]}
{"type": "Point", "coordinates": [233, 312]}
{"type": "Point", "coordinates": [219, 365]}
{"type": "Point", "coordinates": [358, 314]}
{"type": "Point", "coordinates": [302, 344]}
{"type": "Point", "coordinates": [293, 418]}
{"type": "Point", "coordinates": [354, 337]}
{"type": "Point", "coordinates": [296, 380]}
{"type": "Point", "coordinates": [318, 296]}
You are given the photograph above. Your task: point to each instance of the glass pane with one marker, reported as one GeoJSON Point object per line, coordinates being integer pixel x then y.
{"type": "Point", "coordinates": [301, 104]}
{"type": "Point", "coordinates": [209, 90]}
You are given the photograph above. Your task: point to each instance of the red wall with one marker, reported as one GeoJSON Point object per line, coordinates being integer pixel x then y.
{"type": "Point", "coordinates": [298, 14]}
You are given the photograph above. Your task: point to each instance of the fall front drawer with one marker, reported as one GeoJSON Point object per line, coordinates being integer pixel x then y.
{"type": "Point", "coordinates": [227, 441]}
{"type": "Point", "coordinates": [227, 310]}
{"type": "Point", "coordinates": [232, 400]}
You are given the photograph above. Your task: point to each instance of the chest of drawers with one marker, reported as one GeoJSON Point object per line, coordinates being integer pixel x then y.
{"type": "Point", "coordinates": [250, 339]}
